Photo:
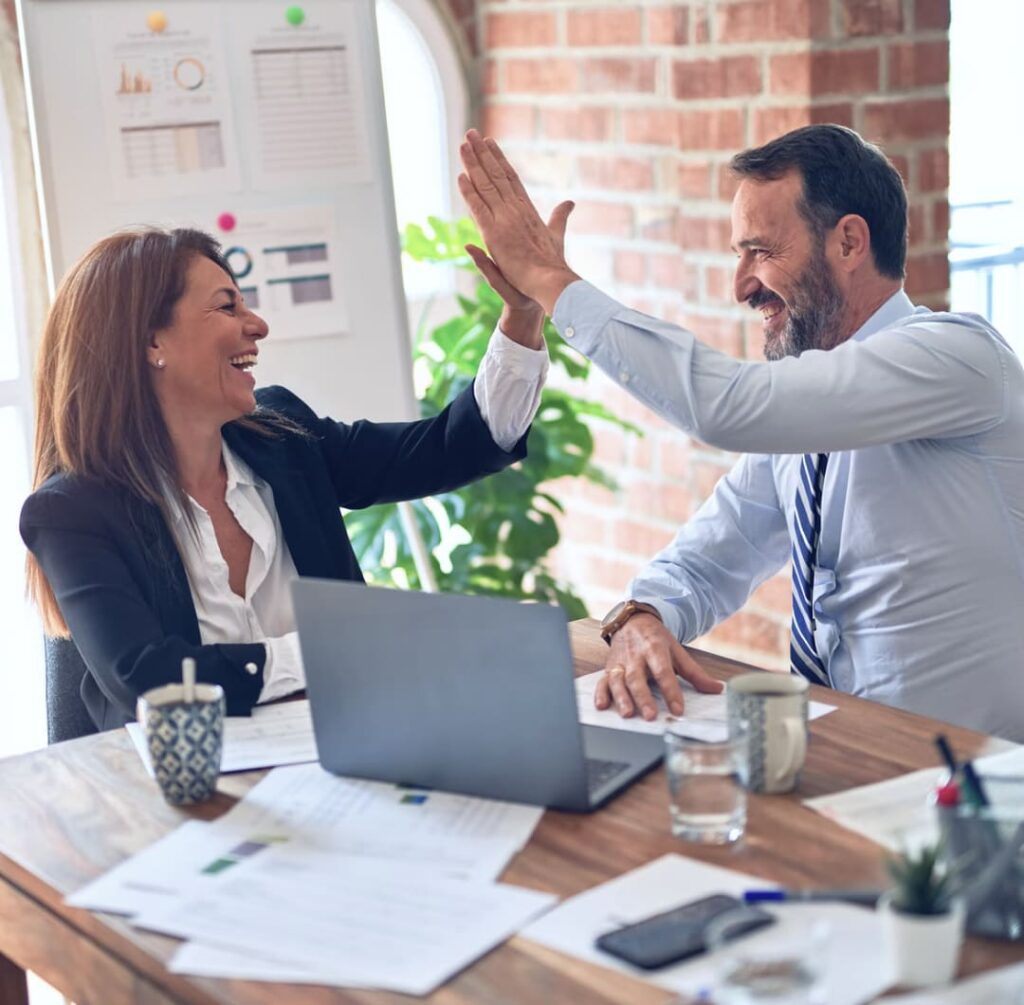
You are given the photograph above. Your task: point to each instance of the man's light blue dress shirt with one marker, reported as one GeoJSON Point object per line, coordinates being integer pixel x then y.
{"type": "Point", "coordinates": [919, 589]}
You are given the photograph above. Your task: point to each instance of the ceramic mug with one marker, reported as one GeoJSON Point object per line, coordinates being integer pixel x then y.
{"type": "Point", "coordinates": [770, 711]}
{"type": "Point", "coordinates": [185, 740]}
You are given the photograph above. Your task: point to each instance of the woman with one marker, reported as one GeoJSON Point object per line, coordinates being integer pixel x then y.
{"type": "Point", "coordinates": [173, 503]}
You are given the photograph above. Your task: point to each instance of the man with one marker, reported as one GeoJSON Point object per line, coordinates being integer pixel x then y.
{"type": "Point", "coordinates": [884, 443]}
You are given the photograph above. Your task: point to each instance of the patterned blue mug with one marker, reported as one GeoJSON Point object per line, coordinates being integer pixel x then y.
{"type": "Point", "coordinates": [185, 740]}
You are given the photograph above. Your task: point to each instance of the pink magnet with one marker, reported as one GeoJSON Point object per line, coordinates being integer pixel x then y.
{"type": "Point", "coordinates": [226, 221]}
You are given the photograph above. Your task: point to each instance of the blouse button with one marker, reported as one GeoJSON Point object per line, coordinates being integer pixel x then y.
{"type": "Point", "coordinates": [251, 668]}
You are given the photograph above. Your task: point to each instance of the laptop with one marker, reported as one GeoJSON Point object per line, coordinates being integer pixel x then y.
{"type": "Point", "coordinates": [464, 694]}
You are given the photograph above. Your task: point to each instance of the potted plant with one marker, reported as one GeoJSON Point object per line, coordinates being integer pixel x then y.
{"type": "Point", "coordinates": [923, 918]}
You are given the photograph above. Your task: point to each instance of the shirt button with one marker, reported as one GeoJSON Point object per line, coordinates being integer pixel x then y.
{"type": "Point", "coordinates": [624, 376]}
{"type": "Point", "coordinates": [570, 332]}
{"type": "Point", "coordinates": [251, 668]}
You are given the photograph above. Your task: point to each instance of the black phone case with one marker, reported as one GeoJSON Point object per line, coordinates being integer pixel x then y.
{"type": "Point", "coordinates": [677, 934]}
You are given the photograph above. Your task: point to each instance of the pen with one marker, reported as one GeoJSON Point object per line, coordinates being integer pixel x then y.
{"type": "Point", "coordinates": [974, 786]}
{"type": "Point", "coordinates": [947, 753]}
{"type": "Point", "coordinates": [867, 898]}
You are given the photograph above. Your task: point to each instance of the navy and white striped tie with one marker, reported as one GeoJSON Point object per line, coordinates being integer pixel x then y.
{"type": "Point", "coordinates": [803, 657]}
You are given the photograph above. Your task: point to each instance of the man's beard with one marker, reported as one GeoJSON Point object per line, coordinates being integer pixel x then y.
{"type": "Point", "coordinates": [814, 312]}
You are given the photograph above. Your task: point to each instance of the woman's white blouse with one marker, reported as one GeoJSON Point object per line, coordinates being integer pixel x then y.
{"type": "Point", "coordinates": [507, 390]}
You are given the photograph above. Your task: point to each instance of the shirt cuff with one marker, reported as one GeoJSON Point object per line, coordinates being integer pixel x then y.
{"type": "Point", "coordinates": [283, 673]}
{"type": "Point", "coordinates": [508, 387]}
{"type": "Point", "coordinates": [581, 313]}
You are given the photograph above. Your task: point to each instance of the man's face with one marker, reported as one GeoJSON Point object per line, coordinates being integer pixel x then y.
{"type": "Point", "coordinates": [783, 270]}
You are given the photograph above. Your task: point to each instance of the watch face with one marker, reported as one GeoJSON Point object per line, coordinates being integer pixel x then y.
{"type": "Point", "coordinates": [613, 613]}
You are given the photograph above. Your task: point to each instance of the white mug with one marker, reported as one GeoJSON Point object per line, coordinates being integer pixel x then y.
{"type": "Point", "coordinates": [770, 711]}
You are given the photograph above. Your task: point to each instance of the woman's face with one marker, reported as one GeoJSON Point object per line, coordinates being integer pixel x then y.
{"type": "Point", "coordinates": [208, 350]}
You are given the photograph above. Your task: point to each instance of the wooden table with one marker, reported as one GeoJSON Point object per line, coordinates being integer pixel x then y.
{"type": "Point", "coordinates": [71, 812]}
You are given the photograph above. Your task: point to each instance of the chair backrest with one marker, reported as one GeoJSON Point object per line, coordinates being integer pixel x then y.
{"type": "Point", "coordinates": [66, 714]}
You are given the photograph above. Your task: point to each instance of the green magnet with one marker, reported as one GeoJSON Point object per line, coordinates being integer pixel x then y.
{"type": "Point", "coordinates": [295, 15]}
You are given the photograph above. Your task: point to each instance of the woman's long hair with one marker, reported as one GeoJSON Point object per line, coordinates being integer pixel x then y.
{"type": "Point", "coordinates": [97, 413]}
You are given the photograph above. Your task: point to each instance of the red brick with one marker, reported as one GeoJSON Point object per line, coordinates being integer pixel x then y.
{"type": "Point", "coordinates": [694, 180]}
{"type": "Point", "coordinates": [931, 15]}
{"type": "Point", "coordinates": [611, 574]}
{"type": "Point", "coordinates": [722, 333]}
{"type": "Point", "coordinates": [902, 164]}
{"type": "Point", "coordinates": [719, 284]}
{"type": "Point", "coordinates": [751, 631]}
{"type": "Point", "coordinates": [667, 270]}
{"type": "Point", "coordinates": [927, 273]}
{"type": "Point", "coordinates": [721, 129]}
{"type": "Point", "coordinates": [657, 222]}
{"type": "Point", "coordinates": [640, 539]}
{"type": "Point", "coordinates": [727, 77]}
{"type": "Point", "coordinates": [841, 113]}
{"type": "Point", "coordinates": [653, 126]}
{"type": "Point", "coordinates": [940, 220]}
{"type": "Point", "coordinates": [540, 76]}
{"type": "Point", "coordinates": [508, 121]}
{"type": "Point", "coordinates": [606, 218]}
{"type": "Point", "coordinates": [772, 122]}
{"type": "Point", "coordinates": [871, 17]}
{"type": "Point", "coordinates": [604, 26]}
{"type": "Point", "coordinates": [674, 455]}
{"type": "Point", "coordinates": [635, 76]}
{"type": "Point", "coordinates": [610, 446]}
{"type": "Point", "coordinates": [728, 182]}
{"type": "Point", "coordinates": [641, 453]}
{"type": "Point", "coordinates": [585, 528]}
{"type": "Point", "coordinates": [701, 26]}
{"type": "Point", "coordinates": [668, 25]}
{"type": "Point", "coordinates": [521, 29]}
{"type": "Point", "coordinates": [916, 232]}
{"type": "Point", "coordinates": [585, 125]}
{"type": "Point", "coordinates": [933, 170]}
{"type": "Point", "coordinates": [490, 77]}
{"type": "Point", "coordinates": [918, 64]}
{"type": "Point", "coordinates": [771, 20]}
{"type": "Point", "coordinates": [707, 475]}
{"type": "Point", "coordinates": [704, 233]}
{"type": "Point", "coordinates": [844, 71]}
{"type": "Point", "coordinates": [622, 173]}
{"type": "Point", "coordinates": [630, 267]}
{"type": "Point", "coordinates": [906, 120]}
{"type": "Point", "coordinates": [775, 594]}
{"type": "Point", "coordinates": [660, 500]}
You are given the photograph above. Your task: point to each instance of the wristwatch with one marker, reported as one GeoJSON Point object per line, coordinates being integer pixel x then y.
{"type": "Point", "coordinates": [621, 613]}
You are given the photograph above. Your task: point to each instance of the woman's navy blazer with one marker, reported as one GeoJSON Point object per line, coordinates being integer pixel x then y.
{"type": "Point", "coordinates": [119, 579]}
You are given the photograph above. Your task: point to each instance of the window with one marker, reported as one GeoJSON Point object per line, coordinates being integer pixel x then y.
{"type": "Point", "coordinates": [426, 99]}
{"type": "Point", "coordinates": [986, 191]}
{"type": "Point", "coordinates": [22, 712]}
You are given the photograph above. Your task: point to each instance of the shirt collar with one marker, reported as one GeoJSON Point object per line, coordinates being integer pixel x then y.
{"type": "Point", "coordinates": [239, 473]}
{"type": "Point", "coordinates": [898, 306]}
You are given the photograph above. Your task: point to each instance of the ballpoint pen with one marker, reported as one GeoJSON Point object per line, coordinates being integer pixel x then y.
{"type": "Point", "coordinates": [867, 898]}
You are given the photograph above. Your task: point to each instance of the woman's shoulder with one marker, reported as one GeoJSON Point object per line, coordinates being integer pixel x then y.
{"type": "Point", "coordinates": [65, 497]}
{"type": "Point", "coordinates": [277, 401]}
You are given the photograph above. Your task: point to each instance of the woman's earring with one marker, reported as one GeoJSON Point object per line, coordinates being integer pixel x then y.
{"type": "Point", "coordinates": [161, 363]}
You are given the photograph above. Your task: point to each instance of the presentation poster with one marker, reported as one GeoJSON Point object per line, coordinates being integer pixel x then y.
{"type": "Point", "coordinates": [166, 101]}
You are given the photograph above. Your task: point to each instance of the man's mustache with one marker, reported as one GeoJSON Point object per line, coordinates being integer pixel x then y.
{"type": "Point", "coordinates": [763, 298]}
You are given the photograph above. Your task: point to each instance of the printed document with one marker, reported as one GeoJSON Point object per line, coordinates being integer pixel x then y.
{"type": "Point", "coordinates": [704, 717]}
{"type": "Point", "coordinates": [346, 922]}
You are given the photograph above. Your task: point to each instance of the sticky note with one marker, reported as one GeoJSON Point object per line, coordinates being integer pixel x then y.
{"type": "Point", "coordinates": [295, 15]}
{"type": "Point", "coordinates": [226, 221]}
{"type": "Point", "coordinates": [156, 21]}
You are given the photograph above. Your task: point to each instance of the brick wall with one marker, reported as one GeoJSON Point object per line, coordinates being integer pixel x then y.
{"type": "Point", "coordinates": [633, 110]}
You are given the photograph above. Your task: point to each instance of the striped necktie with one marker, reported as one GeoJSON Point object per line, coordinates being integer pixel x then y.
{"type": "Point", "coordinates": [803, 657]}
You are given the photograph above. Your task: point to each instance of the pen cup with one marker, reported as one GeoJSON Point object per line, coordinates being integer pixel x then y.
{"type": "Point", "coordinates": [984, 848]}
{"type": "Point", "coordinates": [185, 740]}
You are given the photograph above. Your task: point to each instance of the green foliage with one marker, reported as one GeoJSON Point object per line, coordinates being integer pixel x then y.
{"type": "Point", "coordinates": [921, 882]}
{"type": "Point", "coordinates": [494, 536]}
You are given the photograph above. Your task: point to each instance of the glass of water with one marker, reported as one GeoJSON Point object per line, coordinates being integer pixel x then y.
{"type": "Point", "coordinates": [705, 783]}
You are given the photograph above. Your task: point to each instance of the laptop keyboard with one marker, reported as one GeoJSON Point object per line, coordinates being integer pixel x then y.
{"type": "Point", "coordinates": [599, 773]}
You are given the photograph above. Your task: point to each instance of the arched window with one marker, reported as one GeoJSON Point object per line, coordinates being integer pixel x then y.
{"type": "Point", "coordinates": [22, 712]}
{"type": "Point", "coordinates": [426, 99]}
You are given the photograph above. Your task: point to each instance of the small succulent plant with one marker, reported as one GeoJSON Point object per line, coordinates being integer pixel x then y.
{"type": "Point", "coordinates": [922, 884]}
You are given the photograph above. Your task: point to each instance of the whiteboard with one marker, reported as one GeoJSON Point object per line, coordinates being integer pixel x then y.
{"type": "Point", "coordinates": [229, 115]}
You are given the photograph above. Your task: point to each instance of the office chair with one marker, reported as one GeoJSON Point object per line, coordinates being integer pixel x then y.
{"type": "Point", "coordinates": [66, 714]}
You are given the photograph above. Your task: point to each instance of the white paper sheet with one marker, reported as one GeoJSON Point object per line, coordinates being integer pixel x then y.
{"type": "Point", "coordinates": [705, 715]}
{"type": "Point", "coordinates": [166, 102]}
{"type": "Point", "coordinates": [274, 735]}
{"type": "Point", "coordinates": [350, 923]}
{"type": "Point", "coordinates": [1005, 985]}
{"type": "Point", "coordinates": [475, 837]}
{"type": "Point", "coordinates": [896, 813]}
{"type": "Point", "coordinates": [854, 974]}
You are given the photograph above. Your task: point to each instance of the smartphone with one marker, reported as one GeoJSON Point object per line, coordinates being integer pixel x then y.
{"type": "Point", "coordinates": [677, 934]}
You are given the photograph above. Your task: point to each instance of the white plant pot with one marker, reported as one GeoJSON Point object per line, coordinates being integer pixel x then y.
{"type": "Point", "coordinates": [923, 950]}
